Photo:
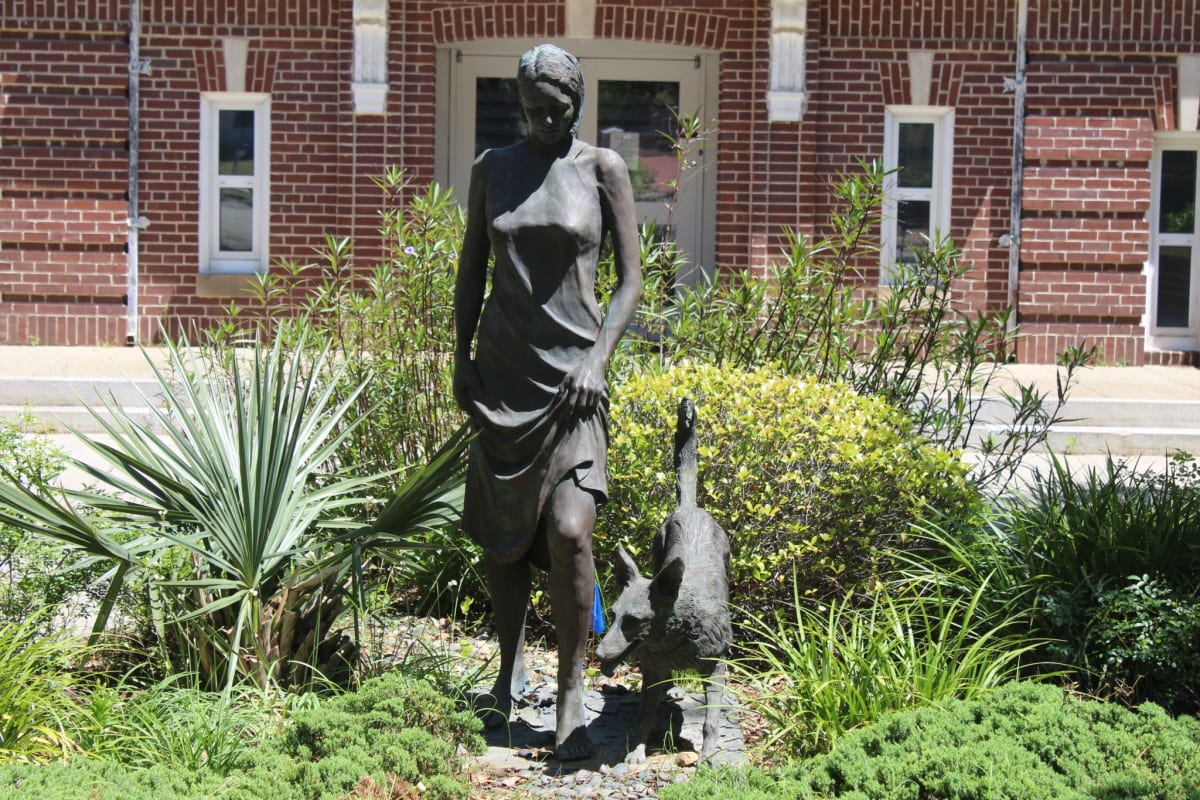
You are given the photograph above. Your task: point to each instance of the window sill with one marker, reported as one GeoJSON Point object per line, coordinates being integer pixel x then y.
{"type": "Point", "coordinates": [226, 284]}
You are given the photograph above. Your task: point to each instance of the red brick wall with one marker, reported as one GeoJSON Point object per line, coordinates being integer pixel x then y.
{"type": "Point", "coordinates": [1101, 81]}
{"type": "Point", "coordinates": [63, 174]}
{"type": "Point", "coordinates": [859, 65]}
{"type": "Point", "coordinates": [322, 155]}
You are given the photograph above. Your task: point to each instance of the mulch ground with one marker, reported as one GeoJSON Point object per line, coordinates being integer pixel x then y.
{"type": "Point", "coordinates": [519, 762]}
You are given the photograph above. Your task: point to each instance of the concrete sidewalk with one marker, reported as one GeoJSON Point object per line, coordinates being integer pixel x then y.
{"type": "Point", "coordinates": [79, 363]}
{"type": "Point", "coordinates": [1125, 411]}
{"type": "Point", "coordinates": [1110, 383]}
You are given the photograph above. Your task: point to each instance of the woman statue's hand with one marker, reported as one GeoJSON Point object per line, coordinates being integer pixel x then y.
{"type": "Point", "coordinates": [467, 385]}
{"type": "Point", "coordinates": [584, 386]}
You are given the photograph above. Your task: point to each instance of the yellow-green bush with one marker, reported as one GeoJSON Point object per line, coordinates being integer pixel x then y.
{"type": "Point", "coordinates": [804, 476]}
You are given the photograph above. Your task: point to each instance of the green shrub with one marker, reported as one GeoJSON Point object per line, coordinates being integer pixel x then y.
{"type": "Point", "coordinates": [1021, 742]}
{"type": "Point", "coordinates": [34, 574]}
{"type": "Point", "coordinates": [389, 324]}
{"type": "Point", "coordinates": [105, 780]}
{"type": "Point", "coordinates": [392, 729]}
{"type": "Point", "coordinates": [818, 311]}
{"type": "Point", "coordinates": [808, 479]}
{"type": "Point", "coordinates": [1110, 559]}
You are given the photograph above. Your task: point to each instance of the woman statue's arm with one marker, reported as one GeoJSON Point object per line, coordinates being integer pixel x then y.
{"type": "Point", "coordinates": [585, 387]}
{"type": "Point", "coordinates": [469, 287]}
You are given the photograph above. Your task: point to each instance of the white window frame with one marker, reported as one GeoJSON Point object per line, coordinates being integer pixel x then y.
{"type": "Point", "coordinates": [212, 259]}
{"type": "Point", "coordinates": [1172, 338]}
{"type": "Point", "coordinates": [938, 194]}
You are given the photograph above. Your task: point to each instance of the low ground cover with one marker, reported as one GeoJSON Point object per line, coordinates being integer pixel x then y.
{"type": "Point", "coordinates": [1021, 741]}
{"type": "Point", "coordinates": [394, 738]}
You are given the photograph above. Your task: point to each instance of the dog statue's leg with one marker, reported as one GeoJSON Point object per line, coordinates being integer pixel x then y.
{"type": "Point", "coordinates": [714, 697]}
{"type": "Point", "coordinates": [654, 688]}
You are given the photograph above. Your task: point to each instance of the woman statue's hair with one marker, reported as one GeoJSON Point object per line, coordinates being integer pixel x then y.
{"type": "Point", "coordinates": [551, 64]}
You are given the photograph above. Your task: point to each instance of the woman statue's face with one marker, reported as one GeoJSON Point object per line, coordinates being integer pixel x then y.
{"type": "Point", "coordinates": [548, 110]}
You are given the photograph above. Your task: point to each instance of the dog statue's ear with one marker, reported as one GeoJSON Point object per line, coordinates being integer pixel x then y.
{"type": "Point", "coordinates": [624, 568]}
{"type": "Point", "coordinates": [669, 578]}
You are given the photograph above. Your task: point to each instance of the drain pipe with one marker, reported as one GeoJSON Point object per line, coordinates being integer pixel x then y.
{"type": "Point", "coordinates": [135, 223]}
{"type": "Point", "coordinates": [1016, 85]}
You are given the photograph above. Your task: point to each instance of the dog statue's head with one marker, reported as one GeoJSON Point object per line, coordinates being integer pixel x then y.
{"type": "Point", "coordinates": [634, 612]}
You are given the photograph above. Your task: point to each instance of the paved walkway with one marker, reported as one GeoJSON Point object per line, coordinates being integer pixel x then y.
{"type": "Point", "coordinates": [1115, 383]}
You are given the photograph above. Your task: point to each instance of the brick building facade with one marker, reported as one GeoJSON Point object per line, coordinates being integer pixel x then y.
{"type": "Point", "coordinates": [337, 90]}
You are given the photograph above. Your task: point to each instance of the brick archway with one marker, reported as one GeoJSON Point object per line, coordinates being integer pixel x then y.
{"type": "Point", "coordinates": [514, 20]}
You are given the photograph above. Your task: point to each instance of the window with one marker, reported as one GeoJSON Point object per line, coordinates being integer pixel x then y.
{"type": "Point", "coordinates": [631, 93]}
{"type": "Point", "coordinates": [918, 152]}
{"type": "Point", "coordinates": [235, 166]}
{"type": "Point", "coordinates": [1174, 266]}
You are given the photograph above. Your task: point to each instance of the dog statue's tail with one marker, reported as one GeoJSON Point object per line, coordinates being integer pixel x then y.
{"type": "Point", "coordinates": [685, 455]}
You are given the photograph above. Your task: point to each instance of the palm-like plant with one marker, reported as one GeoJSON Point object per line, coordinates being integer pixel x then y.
{"type": "Point", "coordinates": [227, 500]}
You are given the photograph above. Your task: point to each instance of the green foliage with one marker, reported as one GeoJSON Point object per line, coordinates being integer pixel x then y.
{"type": "Point", "coordinates": [36, 680]}
{"type": "Point", "coordinates": [389, 326]}
{"type": "Point", "coordinates": [34, 574]}
{"type": "Point", "coordinates": [392, 732]}
{"type": "Point", "coordinates": [1148, 634]}
{"type": "Point", "coordinates": [1021, 742]}
{"type": "Point", "coordinates": [173, 725]}
{"type": "Point", "coordinates": [1111, 558]}
{"type": "Point", "coordinates": [232, 495]}
{"type": "Point", "coordinates": [808, 479]}
{"type": "Point", "coordinates": [815, 313]}
{"type": "Point", "coordinates": [814, 674]}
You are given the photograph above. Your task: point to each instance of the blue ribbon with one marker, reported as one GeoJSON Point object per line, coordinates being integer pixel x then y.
{"type": "Point", "coordinates": [597, 613]}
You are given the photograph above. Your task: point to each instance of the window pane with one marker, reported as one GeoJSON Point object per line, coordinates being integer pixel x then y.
{"type": "Point", "coordinates": [1174, 286]}
{"type": "Point", "coordinates": [912, 229]}
{"type": "Point", "coordinates": [498, 118]}
{"type": "Point", "coordinates": [1177, 200]}
{"type": "Point", "coordinates": [235, 148]}
{"type": "Point", "coordinates": [915, 157]}
{"type": "Point", "coordinates": [237, 220]}
{"type": "Point", "coordinates": [632, 118]}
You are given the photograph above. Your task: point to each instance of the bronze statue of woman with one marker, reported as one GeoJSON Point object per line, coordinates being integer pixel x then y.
{"type": "Point", "coordinates": [534, 383]}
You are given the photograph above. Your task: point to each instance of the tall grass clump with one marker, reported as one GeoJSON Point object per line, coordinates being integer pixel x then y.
{"type": "Point", "coordinates": [38, 684]}
{"type": "Point", "coordinates": [174, 724]}
{"type": "Point", "coordinates": [815, 672]}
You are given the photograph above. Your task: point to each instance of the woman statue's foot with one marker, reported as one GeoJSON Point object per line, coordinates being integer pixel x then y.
{"type": "Point", "coordinates": [575, 747]}
{"type": "Point", "coordinates": [492, 711]}
{"type": "Point", "coordinates": [571, 741]}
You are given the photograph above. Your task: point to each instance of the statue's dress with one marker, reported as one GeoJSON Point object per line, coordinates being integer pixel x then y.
{"type": "Point", "coordinates": [538, 323]}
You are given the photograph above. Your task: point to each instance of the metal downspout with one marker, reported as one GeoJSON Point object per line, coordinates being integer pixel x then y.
{"type": "Point", "coordinates": [1018, 169]}
{"type": "Point", "coordinates": [134, 223]}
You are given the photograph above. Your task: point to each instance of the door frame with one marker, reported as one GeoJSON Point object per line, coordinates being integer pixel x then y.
{"type": "Point", "coordinates": [616, 60]}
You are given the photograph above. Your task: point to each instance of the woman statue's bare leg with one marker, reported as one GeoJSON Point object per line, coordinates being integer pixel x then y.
{"type": "Point", "coordinates": [570, 518]}
{"type": "Point", "coordinates": [508, 586]}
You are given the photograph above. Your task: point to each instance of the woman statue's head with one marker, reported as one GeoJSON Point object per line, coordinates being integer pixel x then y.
{"type": "Point", "coordinates": [550, 83]}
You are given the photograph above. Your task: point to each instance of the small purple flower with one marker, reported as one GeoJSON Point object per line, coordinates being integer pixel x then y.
{"type": "Point", "coordinates": [410, 251]}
